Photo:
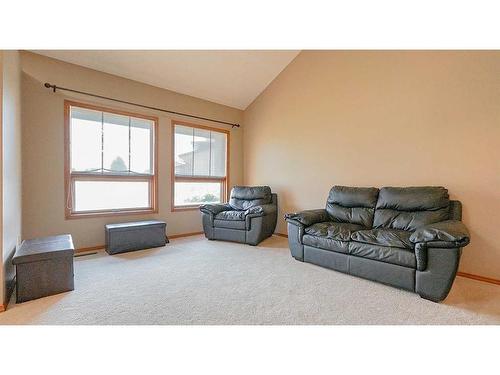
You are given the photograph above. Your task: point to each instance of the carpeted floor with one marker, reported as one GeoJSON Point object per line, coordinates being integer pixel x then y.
{"type": "Point", "coordinates": [195, 281]}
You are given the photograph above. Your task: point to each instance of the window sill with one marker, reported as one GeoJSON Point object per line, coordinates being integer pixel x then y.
{"type": "Point", "coordinates": [185, 208]}
{"type": "Point", "coordinates": [189, 208]}
{"type": "Point", "coordinates": [89, 215]}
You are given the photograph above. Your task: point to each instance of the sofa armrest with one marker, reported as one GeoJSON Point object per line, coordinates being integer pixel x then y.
{"type": "Point", "coordinates": [214, 209]}
{"type": "Point", "coordinates": [452, 232]}
{"type": "Point", "coordinates": [307, 217]}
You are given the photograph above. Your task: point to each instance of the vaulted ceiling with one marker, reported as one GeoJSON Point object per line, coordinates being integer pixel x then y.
{"type": "Point", "coordinates": [230, 77]}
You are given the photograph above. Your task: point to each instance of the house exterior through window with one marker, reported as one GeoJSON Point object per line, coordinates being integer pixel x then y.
{"type": "Point", "coordinates": [199, 165]}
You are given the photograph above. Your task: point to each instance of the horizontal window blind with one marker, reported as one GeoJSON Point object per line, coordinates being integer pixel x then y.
{"type": "Point", "coordinates": [109, 143]}
{"type": "Point", "coordinates": [199, 152]}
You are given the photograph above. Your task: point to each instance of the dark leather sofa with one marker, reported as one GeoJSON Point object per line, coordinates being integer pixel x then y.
{"type": "Point", "coordinates": [410, 237]}
{"type": "Point", "coordinates": [249, 217]}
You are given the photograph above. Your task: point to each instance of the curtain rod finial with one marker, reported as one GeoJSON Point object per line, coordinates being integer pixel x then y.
{"type": "Point", "coordinates": [48, 85]}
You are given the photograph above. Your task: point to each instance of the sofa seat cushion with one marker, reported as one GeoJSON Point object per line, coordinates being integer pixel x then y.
{"type": "Point", "coordinates": [393, 255]}
{"type": "Point", "coordinates": [384, 237]}
{"type": "Point", "coordinates": [326, 243]}
{"type": "Point", "coordinates": [234, 219]}
{"type": "Point", "coordinates": [333, 230]}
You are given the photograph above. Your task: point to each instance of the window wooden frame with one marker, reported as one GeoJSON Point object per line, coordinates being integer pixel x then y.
{"type": "Point", "coordinates": [223, 180]}
{"type": "Point", "coordinates": [70, 178]}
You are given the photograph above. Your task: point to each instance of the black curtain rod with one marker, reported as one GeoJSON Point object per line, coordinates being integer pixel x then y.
{"type": "Point", "coordinates": [54, 88]}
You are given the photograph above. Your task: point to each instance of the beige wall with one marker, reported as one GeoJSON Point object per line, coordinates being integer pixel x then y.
{"type": "Point", "coordinates": [43, 145]}
{"type": "Point", "coordinates": [384, 118]}
{"type": "Point", "coordinates": [11, 163]}
{"type": "Point", "coordinates": [2, 278]}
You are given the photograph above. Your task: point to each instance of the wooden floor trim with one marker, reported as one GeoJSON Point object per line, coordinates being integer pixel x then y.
{"type": "Point", "coordinates": [2, 308]}
{"type": "Point", "coordinates": [479, 278]}
{"type": "Point", "coordinates": [281, 235]}
{"type": "Point", "coordinates": [86, 249]}
{"type": "Point", "coordinates": [185, 235]}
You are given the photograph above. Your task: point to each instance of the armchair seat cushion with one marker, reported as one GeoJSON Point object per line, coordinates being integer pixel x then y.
{"type": "Point", "coordinates": [232, 215]}
{"type": "Point", "coordinates": [233, 219]}
{"type": "Point", "coordinates": [333, 230]}
{"type": "Point", "coordinates": [384, 237]}
{"type": "Point", "coordinates": [393, 255]}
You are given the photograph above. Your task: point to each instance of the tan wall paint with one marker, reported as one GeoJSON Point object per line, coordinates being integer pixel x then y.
{"type": "Point", "coordinates": [2, 282]}
{"type": "Point", "coordinates": [11, 163]}
{"type": "Point", "coordinates": [43, 145]}
{"type": "Point", "coordinates": [379, 119]}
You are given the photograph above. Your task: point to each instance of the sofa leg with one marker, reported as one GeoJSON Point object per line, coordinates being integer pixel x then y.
{"type": "Point", "coordinates": [428, 298]}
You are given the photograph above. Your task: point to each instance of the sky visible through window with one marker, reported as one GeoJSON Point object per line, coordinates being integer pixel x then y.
{"type": "Point", "coordinates": [111, 195]}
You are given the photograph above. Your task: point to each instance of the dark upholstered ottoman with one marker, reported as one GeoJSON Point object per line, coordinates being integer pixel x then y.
{"type": "Point", "coordinates": [138, 235]}
{"type": "Point", "coordinates": [44, 266]}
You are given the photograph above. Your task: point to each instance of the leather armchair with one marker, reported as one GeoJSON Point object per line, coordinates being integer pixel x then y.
{"type": "Point", "coordinates": [249, 217]}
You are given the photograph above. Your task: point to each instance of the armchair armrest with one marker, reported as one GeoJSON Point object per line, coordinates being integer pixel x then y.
{"type": "Point", "coordinates": [307, 217]}
{"type": "Point", "coordinates": [450, 231]}
{"type": "Point", "coordinates": [214, 209]}
{"type": "Point", "coordinates": [261, 210]}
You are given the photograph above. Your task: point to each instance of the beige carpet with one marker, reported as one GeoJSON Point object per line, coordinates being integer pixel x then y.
{"type": "Point", "coordinates": [195, 281]}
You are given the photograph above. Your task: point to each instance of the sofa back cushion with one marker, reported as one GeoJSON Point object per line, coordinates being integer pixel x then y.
{"type": "Point", "coordinates": [354, 205]}
{"type": "Point", "coordinates": [408, 208]}
{"type": "Point", "coordinates": [244, 197]}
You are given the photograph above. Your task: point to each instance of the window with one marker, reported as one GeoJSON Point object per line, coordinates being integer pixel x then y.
{"type": "Point", "coordinates": [110, 161]}
{"type": "Point", "coordinates": [199, 165]}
